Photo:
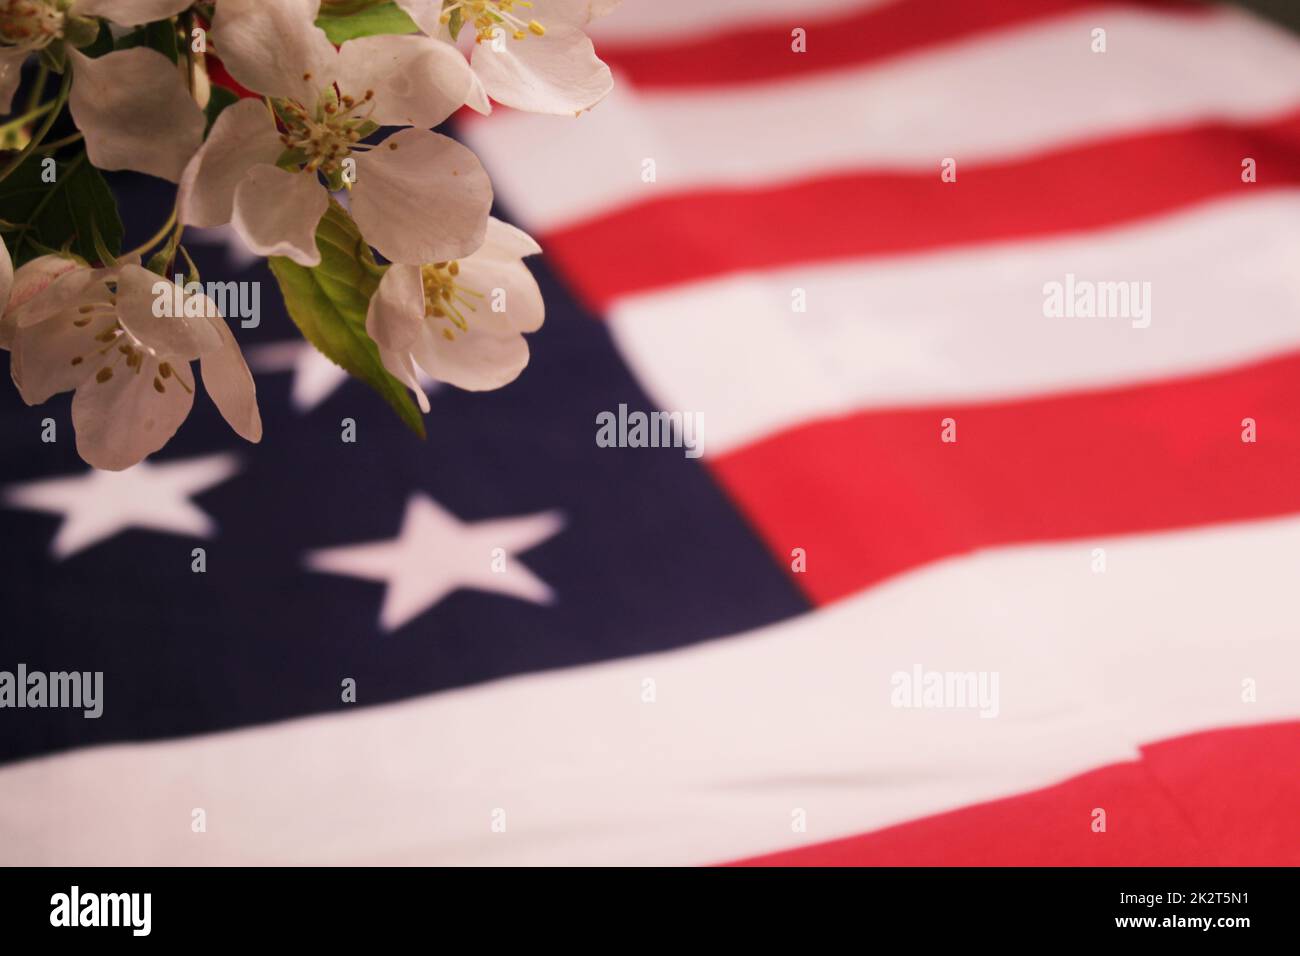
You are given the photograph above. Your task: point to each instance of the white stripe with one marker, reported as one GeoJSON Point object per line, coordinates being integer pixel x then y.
{"type": "Point", "coordinates": [644, 21]}
{"type": "Point", "coordinates": [742, 732]}
{"type": "Point", "coordinates": [968, 324]}
{"type": "Point", "coordinates": [970, 101]}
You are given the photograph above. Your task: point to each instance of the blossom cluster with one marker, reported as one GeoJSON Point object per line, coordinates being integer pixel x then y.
{"type": "Point", "coordinates": [295, 122]}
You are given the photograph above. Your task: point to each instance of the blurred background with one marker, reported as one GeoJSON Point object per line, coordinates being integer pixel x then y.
{"type": "Point", "coordinates": [826, 231]}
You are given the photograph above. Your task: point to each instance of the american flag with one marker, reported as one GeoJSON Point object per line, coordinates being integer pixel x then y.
{"type": "Point", "coordinates": [829, 231]}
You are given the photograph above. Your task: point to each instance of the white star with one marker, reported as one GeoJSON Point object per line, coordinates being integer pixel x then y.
{"type": "Point", "coordinates": [100, 504]}
{"type": "Point", "coordinates": [435, 554]}
{"type": "Point", "coordinates": [314, 376]}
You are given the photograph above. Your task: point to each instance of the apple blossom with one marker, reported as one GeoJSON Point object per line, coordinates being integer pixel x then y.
{"type": "Point", "coordinates": [416, 196]}
{"type": "Point", "coordinates": [132, 106]}
{"type": "Point", "coordinates": [460, 321]}
{"type": "Point", "coordinates": [454, 299]}
{"type": "Point", "coordinates": [97, 332]}
{"type": "Point", "coordinates": [527, 54]}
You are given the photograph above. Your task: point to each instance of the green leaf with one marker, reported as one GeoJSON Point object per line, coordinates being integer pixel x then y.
{"type": "Point", "coordinates": [160, 36]}
{"type": "Point", "coordinates": [341, 26]}
{"type": "Point", "coordinates": [328, 304]}
{"type": "Point", "coordinates": [218, 99]}
{"type": "Point", "coordinates": [67, 211]}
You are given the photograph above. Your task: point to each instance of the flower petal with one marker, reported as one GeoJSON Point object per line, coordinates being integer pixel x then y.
{"type": "Point", "coordinates": [6, 276]}
{"type": "Point", "coordinates": [396, 312]}
{"type": "Point", "coordinates": [477, 98]}
{"type": "Point", "coordinates": [402, 367]}
{"type": "Point", "coordinates": [70, 289]}
{"type": "Point", "coordinates": [275, 48]}
{"type": "Point", "coordinates": [230, 385]}
{"type": "Point", "coordinates": [417, 81]}
{"type": "Point", "coordinates": [31, 279]}
{"type": "Point", "coordinates": [243, 136]}
{"type": "Point", "coordinates": [490, 354]}
{"type": "Point", "coordinates": [426, 14]}
{"type": "Point", "coordinates": [551, 13]}
{"type": "Point", "coordinates": [499, 274]}
{"type": "Point", "coordinates": [600, 8]}
{"type": "Point", "coordinates": [557, 73]}
{"type": "Point", "coordinates": [129, 13]}
{"type": "Point", "coordinates": [135, 112]}
{"type": "Point", "coordinates": [35, 276]}
{"type": "Point", "coordinates": [276, 213]}
{"type": "Point", "coordinates": [11, 74]}
{"type": "Point", "coordinates": [421, 197]}
{"type": "Point", "coordinates": [132, 414]}
{"type": "Point", "coordinates": [58, 353]}
{"type": "Point", "coordinates": [504, 241]}
{"type": "Point", "coordinates": [159, 314]}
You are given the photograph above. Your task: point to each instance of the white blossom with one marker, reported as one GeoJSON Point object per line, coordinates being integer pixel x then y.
{"type": "Point", "coordinates": [132, 106]}
{"type": "Point", "coordinates": [461, 322]}
{"type": "Point", "coordinates": [417, 196]}
{"type": "Point", "coordinates": [101, 334]}
{"type": "Point", "coordinates": [526, 54]}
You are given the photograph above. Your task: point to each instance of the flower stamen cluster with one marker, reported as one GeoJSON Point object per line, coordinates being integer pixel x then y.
{"type": "Point", "coordinates": [118, 344]}
{"type": "Point", "coordinates": [489, 15]}
{"type": "Point", "coordinates": [33, 24]}
{"type": "Point", "coordinates": [446, 298]}
{"type": "Point", "coordinates": [320, 139]}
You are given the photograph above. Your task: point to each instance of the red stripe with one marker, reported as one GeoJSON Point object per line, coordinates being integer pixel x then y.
{"type": "Point", "coordinates": [873, 494]}
{"type": "Point", "coordinates": [853, 38]}
{"type": "Point", "coordinates": [711, 232]}
{"type": "Point", "coordinates": [1221, 798]}
{"type": "Point", "coordinates": [220, 76]}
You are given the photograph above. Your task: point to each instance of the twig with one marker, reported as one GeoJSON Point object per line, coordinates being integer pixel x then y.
{"type": "Point", "coordinates": [40, 134]}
